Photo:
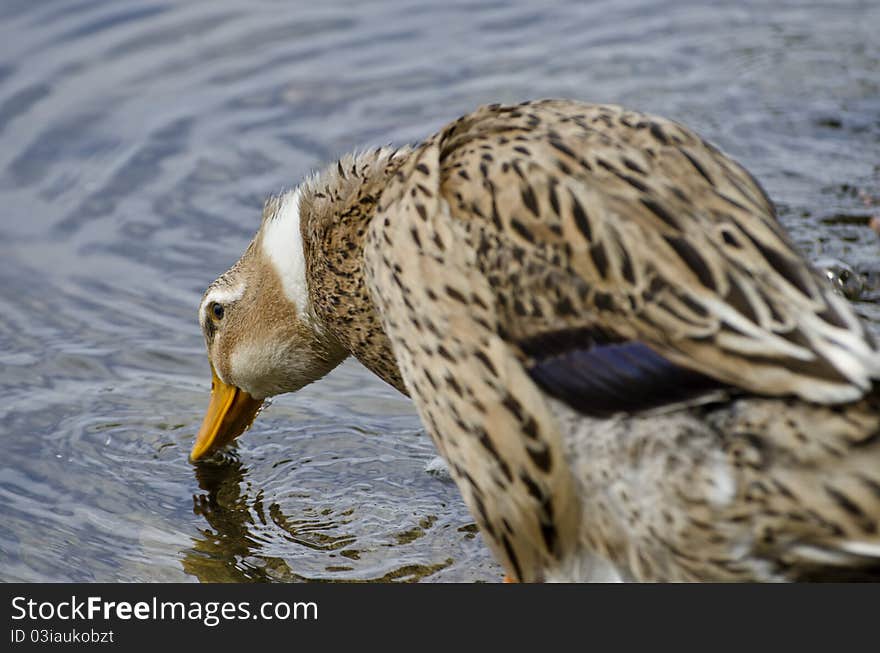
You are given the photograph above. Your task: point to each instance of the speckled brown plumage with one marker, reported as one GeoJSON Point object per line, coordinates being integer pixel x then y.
{"type": "Point", "coordinates": [610, 338]}
{"type": "Point", "coordinates": [337, 207]}
{"type": "Point", "coordinates": [519, 228]}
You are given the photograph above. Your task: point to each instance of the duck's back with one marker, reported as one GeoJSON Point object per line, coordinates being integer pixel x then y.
{"type": "Point", "coordinates": [612, 226]}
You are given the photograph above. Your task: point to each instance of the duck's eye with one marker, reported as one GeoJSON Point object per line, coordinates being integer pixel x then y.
{"type": "Point", "coordinates": [217, 311]}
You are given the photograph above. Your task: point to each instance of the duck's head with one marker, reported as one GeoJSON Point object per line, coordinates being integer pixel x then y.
{"type": "Point", "coordinates": [261, 333]}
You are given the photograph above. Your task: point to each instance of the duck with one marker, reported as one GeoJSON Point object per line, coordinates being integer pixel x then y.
{"type": "Point", "coordinates": [630, 369]}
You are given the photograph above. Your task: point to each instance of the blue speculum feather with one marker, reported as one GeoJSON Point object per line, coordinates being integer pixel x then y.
{"type": "Point", "coordinates": [601, 380]}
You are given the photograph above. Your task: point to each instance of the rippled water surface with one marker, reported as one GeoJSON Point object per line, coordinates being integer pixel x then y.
{"type": "Point", "coordinates": [139, 139]}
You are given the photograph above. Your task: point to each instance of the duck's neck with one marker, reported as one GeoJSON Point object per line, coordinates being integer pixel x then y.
{"type": "Point", "coordinates": [337, 206]}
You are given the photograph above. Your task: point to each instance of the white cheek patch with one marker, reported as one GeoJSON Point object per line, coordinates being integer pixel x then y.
{"type": "Point", "coordinates": [283, 245]}
{"type": "Point", "coordinates": [221, 295]}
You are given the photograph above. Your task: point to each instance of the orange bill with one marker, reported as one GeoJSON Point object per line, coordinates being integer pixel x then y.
{"type": "Point", "coordinates": [230, 413]}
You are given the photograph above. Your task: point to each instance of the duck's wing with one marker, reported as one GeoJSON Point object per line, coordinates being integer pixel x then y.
{"type": "Point", "coordinates": [605, 228]}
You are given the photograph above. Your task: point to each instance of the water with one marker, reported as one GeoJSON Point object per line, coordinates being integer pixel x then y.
{"type": "Point", "coordinates": [139, 140]}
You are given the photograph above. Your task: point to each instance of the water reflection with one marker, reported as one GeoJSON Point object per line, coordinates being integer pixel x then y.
{"type": "Point", "coordinates": [230, 549]}
{"type": "Point", "coordinates": [218, 551]}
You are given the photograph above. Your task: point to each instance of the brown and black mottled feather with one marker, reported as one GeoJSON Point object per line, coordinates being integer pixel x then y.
{"type": "Point", "coordinates": [724, 423]}
{"type": "Point", "coordinates": [648, 233]}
